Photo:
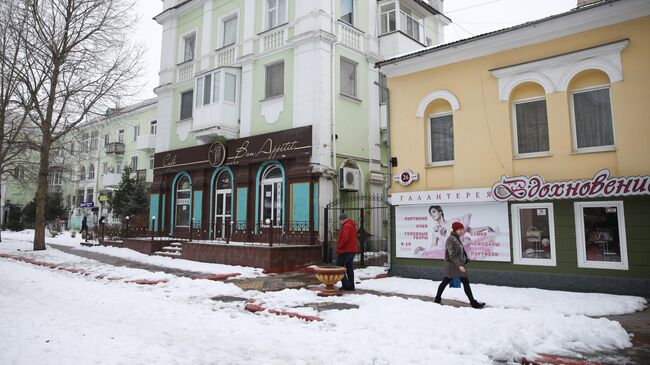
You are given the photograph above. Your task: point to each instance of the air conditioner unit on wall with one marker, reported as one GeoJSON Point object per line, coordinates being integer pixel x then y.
{"type": "Point", "coordinates": [349, 179]}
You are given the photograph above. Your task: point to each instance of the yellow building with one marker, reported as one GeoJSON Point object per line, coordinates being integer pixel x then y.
{"type": "Point", "coordinates": [534, 137]}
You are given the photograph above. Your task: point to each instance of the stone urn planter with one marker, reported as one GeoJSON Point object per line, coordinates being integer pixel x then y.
{"type": "Point", "coordinates": [329, 275]}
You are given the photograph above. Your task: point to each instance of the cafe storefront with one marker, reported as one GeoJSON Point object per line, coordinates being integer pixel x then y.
{"type": "Point", "coordinates": [259, 189]}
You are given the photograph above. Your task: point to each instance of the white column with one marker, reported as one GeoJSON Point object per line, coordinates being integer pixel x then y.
{"type": "Point", "coordinates": [246, 102]}
{"type": "Point", "coordinates": [248, 17]}
{"type": "Point", "coordinates": [168, 53]}
{"type": "Point", "coordinates": [207, 50]}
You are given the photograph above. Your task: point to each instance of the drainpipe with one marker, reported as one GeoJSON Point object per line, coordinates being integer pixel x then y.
{"type": "Point", "coordinates": [390, 165]}
{"type": "Point", "coordinates": [333, 94]}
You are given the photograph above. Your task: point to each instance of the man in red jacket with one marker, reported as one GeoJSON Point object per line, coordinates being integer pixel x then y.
{"type": "Point", "coordinates": [346, 248]}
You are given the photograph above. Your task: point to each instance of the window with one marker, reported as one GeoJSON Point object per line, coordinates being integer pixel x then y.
{"type": "Point", "coordinates": [274, 80]}
{"type": "Point", "coordinates": [276, 13]}
{"type": "Point", "coordinates": [84, 142]}
{"type": "Point", "coordinates": [186, 104]}
{"type": "Point", "coordinates": [93, 140]}
{"type": "Point", "coordinates": [151, 162]}
{"type": "Point", "coordinates": [107, 139]}
{"type": "Point", "coordinates": [136, 132]}
{"type": "Point", "coordinates": [387, 16]}
{"type": "Point", "coordinates": [80, 196]}
{"type": "Point", "coordinates": [216, 86]}
{"type": "Point", "coordinates": [183, 193]}
{"type": "Point", "coordinates": [229, 31]}
{"type": "Point", "coordinates": [533, 233]}
{"type": "Point", "coordinates": [271, 209]}
{"type": "Point", "coordinates": [592, 116]}
{"type": "Point", "coordinates": [203, 89]}
{"type": "Point", "coordinates": [600, 235]}
{"type": "Point", "coordinates": [134, 163]}
{"type": "Point", "coordinates": [230, 88]}
{"type": "Point", "coordinates": [347, 11]}
{"type": "Point", "coordinates": [105, 168]}
{"type": "Point", "coordinates": [348, 77]}
{"type": "Point", "coordinates": [82, 173]}
{"type": "Point", "coordinates": [118, 167]}
{"type": "Point", "coordinates": [411, 24]}
{"type": "Point", "coordinates": [19, 173]}
{"type": "Point", "coordinates": [91, 172]}
{"type": "Point", "coordinates": [441, 142]}
{"type": "Point", "coordinates": [54, 179]}
{"type": "Point", "coordinates": [153, 127]}
{"type": "Point", "coordinates": [120, 135]}
{"type": "Point", "coordinates": [90, 195]}
{"type": "Point", "coordinates": [531, 126]}
{"type": "Point", "coordinates": [72, 148]}
{"type": "Point", "coordinates": [189, 46]}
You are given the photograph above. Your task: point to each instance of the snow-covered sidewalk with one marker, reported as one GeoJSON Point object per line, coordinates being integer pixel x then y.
{"type": "Point", "coordinates": [55, 317]}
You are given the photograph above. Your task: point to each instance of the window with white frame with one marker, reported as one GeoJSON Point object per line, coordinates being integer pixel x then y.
{"type": "Point", "coordinates": [183, 192]}
{"type": "Point", "coordinates": [533, 234]}
{"type": "Point", "coordinates": [203, 90]}
{"type": "Point", "coordinates": [189, 47]}
{"type": "Point", "coordinates": [276, 13]}
{"type": "Point", "coordinates": [19, 173]}
{"type": "Point", "coordinates": [600, 235]}
{"type": "Point", "coordinates": [229, 31]}
{"type": "Point", "coordinates": [531, 126]}
{"type": "Point", "coordinates": [82, 173]}
{"type": "Point", "coordinates": [230, 87]}
{"type": "Point", "coordinates": [592, 118]}
{"type": "Point", "coordinates": [274, 80]}
{"type": "Point", "coordinates": [151, 162]}
{"type": "Point", "coordinates": [120, 135]}
{"type": "Point", "coordinates": [80, 196]}
{"type": "Point", "coordinates": [85, 140]}
{"type": "Point", "coordinates": [186, 104]}
{"type": "Point", "coordinates": [91, 172]}
{"type": "Point", "coordinates": [387, 18]}
{"type": "Point", "coordinates": [118, 167]}
{"type": "Point", "coordinates": [153, 127]}
{"type": "Point", "coordinates": [347, 11]}
{"type": "Point", "coordinates": [271, 201]}
{"type": "Point", "coordinates": [216, 87]}
{"type": "Point", "coordinates": [90, 195]}
{"type": "Point", "coordinates": [441, 138]}
{"type": "Point", "coordinates": [348, 74]}
{"type": "Point", "coordinates": [412, 24]}
{"type": "Point", "coordinates": [136, 132]}
{"type": "Point", "coordinates": [105, 168]}
{"type": "Point", "coordinates": [107, 139]}
{"type": "Point", "coordinates": [93, 140]}
{"type": "Point", "coordinates": [134, 163]}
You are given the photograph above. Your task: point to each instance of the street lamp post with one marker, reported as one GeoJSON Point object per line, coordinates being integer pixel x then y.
{"type": "Point", "coordinates": [153, 227]}
{"type": "Point", "coordinates": [127, 226]}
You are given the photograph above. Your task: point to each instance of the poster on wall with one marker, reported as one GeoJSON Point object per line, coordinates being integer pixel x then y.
{"type": "Point", "coordinates": [422, 230]}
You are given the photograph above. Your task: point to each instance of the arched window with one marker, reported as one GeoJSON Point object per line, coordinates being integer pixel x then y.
{"type": "Point", "coordinates": [91, 172]}
{"type": "Point", "coordinates": [593, 128]}
{"type": "Point", "coordinates": [183, 198]}
{"type": "Point", "coordinates": [222, 203]}
{"type": "Point", "coordinates": [529, 119]}
{"type": "Point", "coordinates": [82, 173]}
{"type": "Point", "coordinates": [440, 132]}
{"type": "Point", "coordinates": [271, 201]}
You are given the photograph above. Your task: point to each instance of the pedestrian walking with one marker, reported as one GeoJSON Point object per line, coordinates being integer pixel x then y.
{"type": "Point", "coordinates": [346, 249]}
{"type": "Point", "coordinates": [455, 265]}
{"type": "Point", "coordinates": [84, 227]}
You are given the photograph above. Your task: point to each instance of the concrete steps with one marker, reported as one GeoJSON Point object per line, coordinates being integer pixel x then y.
{"type": "Point", "coordinates": [174, 250]}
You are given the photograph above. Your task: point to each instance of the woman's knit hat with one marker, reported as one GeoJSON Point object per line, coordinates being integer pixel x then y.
{"type": "Point", "coordinates": [456, 226]}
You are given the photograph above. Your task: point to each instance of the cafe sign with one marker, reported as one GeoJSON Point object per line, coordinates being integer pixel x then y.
{"type": "Point", "coordinates": [523, 188]}
{"type": "Point", "coordinates": [217, 154]}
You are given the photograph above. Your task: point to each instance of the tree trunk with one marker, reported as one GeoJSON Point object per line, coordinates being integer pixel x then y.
{"type": "Point", "coordinates": [41, 194]}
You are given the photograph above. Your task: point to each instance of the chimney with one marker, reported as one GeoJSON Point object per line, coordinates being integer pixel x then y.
{"type": "Point", "coordinates": [582, 3]}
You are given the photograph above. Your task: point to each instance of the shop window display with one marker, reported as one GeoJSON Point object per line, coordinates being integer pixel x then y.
{"type": "Point", "coordinates": [533, 234]}
{"type": "Point", "coordinates": [601, 235]}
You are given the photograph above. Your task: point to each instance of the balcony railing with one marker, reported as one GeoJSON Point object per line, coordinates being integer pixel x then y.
{"type": "Point", "coordinates": [115, 148]}
{"type": "Point", "coordinates": [141, 175]}
{"type": "Point", "coordinates": [226, 56]}
{"type": "Point", "coordinates": [273, 39]}
{"type": "Point", "coordinates": [146, 142]}
{"type": "Point", "coordinates": [185, 71]}
{"type": "Point", "coordinates": [350, 36]}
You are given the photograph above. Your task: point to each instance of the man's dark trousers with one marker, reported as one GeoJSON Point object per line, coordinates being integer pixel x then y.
{"type": "Point", "coordinates": [347, 260]}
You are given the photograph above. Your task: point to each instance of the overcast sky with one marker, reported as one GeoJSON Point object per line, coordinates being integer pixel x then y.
{"type": "Point", "coordinates": [469, 18]}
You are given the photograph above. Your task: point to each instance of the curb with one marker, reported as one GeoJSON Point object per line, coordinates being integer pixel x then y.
{"type": "Point", "coordinates": [216, 277]}
{"type": "Point", "coordinates": [556, 360]}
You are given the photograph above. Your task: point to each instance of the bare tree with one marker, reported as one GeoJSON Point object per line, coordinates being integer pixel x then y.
{"type": "Point", "coordinates": [14, 107]}
{"type": "Point", "coordinates": [79, 61]}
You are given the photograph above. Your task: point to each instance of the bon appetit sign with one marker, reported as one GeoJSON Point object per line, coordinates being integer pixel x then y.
{"type": "Point", "coordinates": [524, 188]}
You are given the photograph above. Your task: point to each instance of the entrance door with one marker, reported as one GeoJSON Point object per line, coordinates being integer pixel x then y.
{"type": "Point", "coordinates": [222, 205]}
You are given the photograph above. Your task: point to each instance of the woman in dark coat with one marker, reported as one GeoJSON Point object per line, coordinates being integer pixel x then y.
{"type": "Point", "coordinates": [454, 266]}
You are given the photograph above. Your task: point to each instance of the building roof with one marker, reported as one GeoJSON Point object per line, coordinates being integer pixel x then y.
{"type": "Point", "coordinates": [477, 38]}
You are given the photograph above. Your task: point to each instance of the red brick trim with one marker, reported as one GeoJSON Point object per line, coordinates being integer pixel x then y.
{"type": "Point", "coordinates": [254, 308]}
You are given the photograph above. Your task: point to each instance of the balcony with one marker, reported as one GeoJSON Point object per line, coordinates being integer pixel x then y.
{"type": "Point", "coordinates": [146, 142]}
{"type": "Point", "coordinates": [273, 39]}
{"type": "Point", "coordinates": [185, 71]}
{"type": "Point", "coordinates": [351, 37]}
{"type": "Point", "coordinates": [116, 148]}
{"type": "Point", "coordinates": [226, 56]}
{"type": "Point", "coordinates": [219, 114]}
{"type": "Point", "coordinates": [402, 28]}
{"type": "Point", "coordinates": [111, 180]}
